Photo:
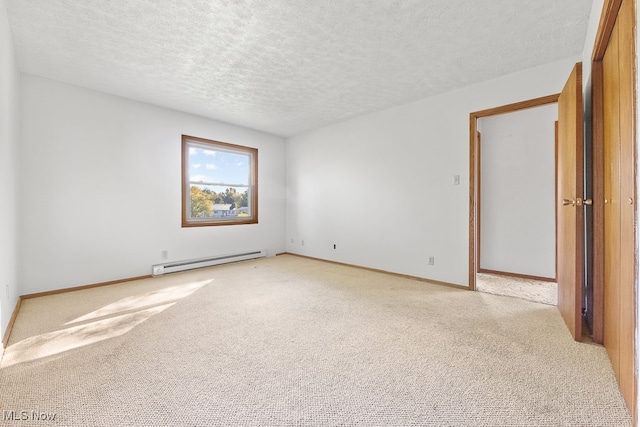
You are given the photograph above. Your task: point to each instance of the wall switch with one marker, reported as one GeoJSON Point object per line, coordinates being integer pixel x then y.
{"type": "Point", "coordinates": [164, 254]}
{"type": "Point", "coordinates": [432, 260]}
{"type": "Point", "coordinates": [456, 179]}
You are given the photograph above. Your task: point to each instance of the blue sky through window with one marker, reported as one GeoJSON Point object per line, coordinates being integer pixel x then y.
{"type": "Point", "coordinates": [218, 167]}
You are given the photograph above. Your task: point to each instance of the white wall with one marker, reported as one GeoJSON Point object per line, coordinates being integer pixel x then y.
{"type": "Point", "coordinates": [100, 184]}
{"type": "Point", "coordinates": [380, 186]}
{"type": "Point", "coordinates": [590, 39]}
{"type": "Point", "coordinates": [518, 191]}
{"type": "Point", "coordinates": [9, 136]}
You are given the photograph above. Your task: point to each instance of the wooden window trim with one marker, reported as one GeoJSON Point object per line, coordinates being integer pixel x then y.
{"type": "Point", "coordinates": [186, 222]}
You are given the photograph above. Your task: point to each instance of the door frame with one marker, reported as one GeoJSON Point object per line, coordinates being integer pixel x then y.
{"type": "Point", "coordinates": [474, 174]}
{"type": "Point", "coordinates": [606, 25]}
{"type": "Point", "coordinates": [607, 22]}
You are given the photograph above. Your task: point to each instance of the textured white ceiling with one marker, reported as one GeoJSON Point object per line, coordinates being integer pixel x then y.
{"type": "Point", "coordinates": [285, 66]}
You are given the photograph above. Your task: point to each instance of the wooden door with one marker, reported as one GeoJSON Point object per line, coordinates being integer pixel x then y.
{"type": "Point", "coordinates": [570, 215]}
{"type": "Point", "coordinates": [612, 199]}
{"type": "Point", "coordinates": [619, 200]}
{"type": "Point", "coordinates": [627, 202]}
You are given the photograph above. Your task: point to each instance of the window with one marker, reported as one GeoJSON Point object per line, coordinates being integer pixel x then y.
{"type": "Point", "coordinates": [219, 183]}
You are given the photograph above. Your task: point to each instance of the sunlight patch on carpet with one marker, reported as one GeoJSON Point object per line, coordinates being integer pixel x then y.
{"type": "Point", "coordinates": [74, 337]}
{"type": "Point", "coordinates": [148, 299]}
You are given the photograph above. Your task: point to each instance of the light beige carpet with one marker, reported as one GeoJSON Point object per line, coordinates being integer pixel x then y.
{"type": "Point", "coordinates": [529, 289]}
{"type": "Point", "coordinates": [288, 341]}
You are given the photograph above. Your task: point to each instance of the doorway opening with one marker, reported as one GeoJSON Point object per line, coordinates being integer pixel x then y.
{"type": "Point", "coordinates": [513, 200]}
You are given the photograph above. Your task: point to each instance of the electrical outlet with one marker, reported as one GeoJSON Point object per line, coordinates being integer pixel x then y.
{"type": "Point", "coordinates": [302, 242]}
{"type": "Point", "coordinates": [334, 246]}
{"type": "Point", "coordinates": [292, 240]}
{"type": "Point", "coordinates": [432, 260]}
{"type": "Point", "coordinates": [164, 254]}
{"type": "Point", "coordinates": [456, 179]}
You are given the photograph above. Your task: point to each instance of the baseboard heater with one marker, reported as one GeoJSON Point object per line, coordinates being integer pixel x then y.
{"type": "Point", "coordinates": [190, 264]}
